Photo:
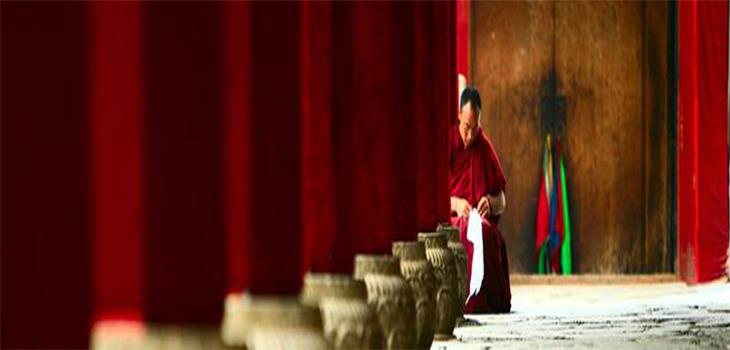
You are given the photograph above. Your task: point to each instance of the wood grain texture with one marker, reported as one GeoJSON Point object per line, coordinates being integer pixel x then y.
{"type": "Point", "coordinates": [610, 62]}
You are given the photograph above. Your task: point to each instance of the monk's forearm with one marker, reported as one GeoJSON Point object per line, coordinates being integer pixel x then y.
{"type": "Point", "coordinates": [460, 206]}
{"type": "Point", "coordinates": [497, 204]}
{"type": "Point", "coordinates": [455, 204]}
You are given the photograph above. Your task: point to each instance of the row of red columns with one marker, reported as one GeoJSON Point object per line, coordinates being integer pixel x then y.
{"type": "Point", "coordinates": [376, 102]}
{"type": "Point", "coordinates": [193, 149]}
{"type": "Point", "coordinates": [238, 145]}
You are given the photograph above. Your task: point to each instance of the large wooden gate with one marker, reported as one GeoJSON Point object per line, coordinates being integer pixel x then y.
{"type": "Point", "coordinates": [599, 73]}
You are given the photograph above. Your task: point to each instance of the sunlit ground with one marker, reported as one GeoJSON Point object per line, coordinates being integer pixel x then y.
{"type": "Point", "coordinates": [608, 316]}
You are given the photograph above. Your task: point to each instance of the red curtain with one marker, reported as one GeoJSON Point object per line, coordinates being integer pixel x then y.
{"type": "Point", "coordinates": [703, 143]}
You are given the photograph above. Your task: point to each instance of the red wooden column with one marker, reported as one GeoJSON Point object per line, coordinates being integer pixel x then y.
{"type": "Point", "coordinates": [433, 74]}
{"type": "Point", "coordinates": [712, 66]}
{"type": "Point", "coordinates": [463, 21]}
{"type": "Point", "coordinates": [263, 129]}
{"type": "Point", "coordinates": [276, 229]}
{"type": "Point", "coordinates": [116, 157]}
{"type": "Point", "coordinates": [702, 147]}
{"type": "Point", "coordinates": [446, 107]}
{"type": "Point", "coordinates": [373, 98]}
{"type": "Point", "coordinates": [319, 214]}
{"type": "Point", "coordinates": [405, 123]}
{"type": "Point", "coordinates": [46, 272]}
{"type": "Point", "coordinates": [184, 245]}
{"type": "Point", "coordinates": [687, 152]}
{"type": "Point", "coordinates": [237, 52]}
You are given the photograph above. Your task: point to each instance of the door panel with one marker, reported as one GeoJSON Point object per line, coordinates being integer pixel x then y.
{"type": "Point", "coordinates": [608, 63]}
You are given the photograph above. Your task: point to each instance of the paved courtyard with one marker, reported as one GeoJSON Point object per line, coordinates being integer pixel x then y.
{"type": "Point", "coordinates": [604, 316]}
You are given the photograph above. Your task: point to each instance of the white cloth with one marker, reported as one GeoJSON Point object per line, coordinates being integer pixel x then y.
{"type": "Point", "coordinates": [474, 235]}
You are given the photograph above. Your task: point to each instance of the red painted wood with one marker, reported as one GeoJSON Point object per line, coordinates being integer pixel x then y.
{"type": "Point", "coordinates": [276, 232]}
{"type": "Point", "coordinates": [702, 147]}
{"type": "Point", "coordinates": [319, 222]}
{"type": "Point", "coordinates": [116, 99]}
{"type": "Point", "coordinates": [45, 250]}
{"type": "Point", "coordinates": [184, 245]}
{"type": "Point", "coordinates": [237, 41]}
{"type": "Point", "coordinates": [463, 31]}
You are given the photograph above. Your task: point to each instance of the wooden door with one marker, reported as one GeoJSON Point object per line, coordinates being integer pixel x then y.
{"type": "Point", "coordinates": [605, 66]}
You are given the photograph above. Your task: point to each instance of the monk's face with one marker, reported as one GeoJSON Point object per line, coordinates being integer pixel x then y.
{"type": "Point", "coordinates": [468, 124]}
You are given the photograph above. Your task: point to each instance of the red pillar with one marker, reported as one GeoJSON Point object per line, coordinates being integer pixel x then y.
{"type": "Point", "coordinates": [237, 47]}
{"type": "Point", "coordinates": [262, 147]}
{"type": "Point", "coordinates": [443, 83]}
{"type": "Point", "coordinates": [276, 230]}
{"type": "Point", "coordinates": [319, 221]}
{"type": "Point", "coordinates": [463, 21]}
{"type": "Point", "coordinates": [703, 145]}
{"type": "Point", "coordinates": [433, 74]}
{"type": "Point", "coordinates": [46, 272]}
{"type": "Point", "coordinates": [116, 156]}
{"type": "Point", "coordinates": [687, 153]}
{"type": "Point", "coordinates": [184, 245]}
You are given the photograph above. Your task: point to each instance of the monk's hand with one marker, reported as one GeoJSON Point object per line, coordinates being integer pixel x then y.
{"type": "Point", "coordinates": [483, 207]}
{"type": "Point", "coordinates": [460, 206]}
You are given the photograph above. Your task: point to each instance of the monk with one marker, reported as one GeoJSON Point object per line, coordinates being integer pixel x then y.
{"type": "Point", "coordinates": [477, 181]}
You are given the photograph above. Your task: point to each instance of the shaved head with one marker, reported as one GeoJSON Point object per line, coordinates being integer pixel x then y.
{"type": "Point", "coordinates": [470, 109]}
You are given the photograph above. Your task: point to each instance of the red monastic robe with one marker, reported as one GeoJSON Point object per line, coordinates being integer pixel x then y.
{"type": "Point", "coordinates": [475, 172]}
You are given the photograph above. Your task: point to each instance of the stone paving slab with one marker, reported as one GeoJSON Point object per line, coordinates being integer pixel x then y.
{"type": "Point", "coordinates": [645, 316]}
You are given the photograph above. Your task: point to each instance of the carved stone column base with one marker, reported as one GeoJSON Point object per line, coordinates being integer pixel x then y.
{"type": "Point", "coordinates": [442, 259]}
{"type": "Point", "coordinates": [272, 322]}
{"type": "Point", "coordinates": [349, 322]}
{"type": "Point", "coordinates": [233, 328]}
{"type": "Point", "coordinates": [419, 273]}
{"type": "Point", "coordinates": [390, 294]}
{"type": "Point", "coordinates": [460, 257]}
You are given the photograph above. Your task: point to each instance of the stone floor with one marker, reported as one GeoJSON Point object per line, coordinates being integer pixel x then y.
{"type": "Point", "coordinates": [601, 314]}
{"type": "Point", "coordinates": [127, 335]}
{"type": "Point", "coordinates": [604, 316]}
